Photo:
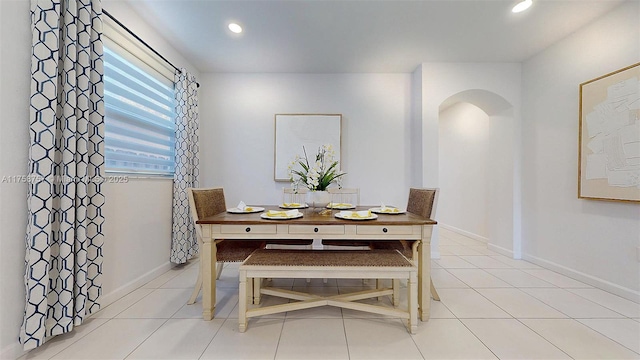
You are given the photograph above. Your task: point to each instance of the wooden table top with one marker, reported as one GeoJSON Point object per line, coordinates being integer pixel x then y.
{"type": "Point", "coordinates": [311, 218]}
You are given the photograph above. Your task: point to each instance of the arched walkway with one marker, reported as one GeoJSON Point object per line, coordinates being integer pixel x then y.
{"type": "Point", "coordinates": [477, 156]}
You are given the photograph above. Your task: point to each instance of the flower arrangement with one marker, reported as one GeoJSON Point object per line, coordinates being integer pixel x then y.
{"type": "Point", "coordinates": [316, 175]}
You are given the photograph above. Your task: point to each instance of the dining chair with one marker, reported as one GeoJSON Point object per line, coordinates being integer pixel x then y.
{"type": "Point", "coordinates": [345, 196]}
{"type": "Point", "coordinates": [291, 196]}
{"type": "Point", "coordinates": [422, 201]}
{"type": "Point", "coordinates": [294, 196]}
{"type": "Point", "coordinates": [204, 202]}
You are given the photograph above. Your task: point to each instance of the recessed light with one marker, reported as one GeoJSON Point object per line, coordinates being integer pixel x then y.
{"type": "Point", "coordinates": [522, 6]}
{"type": "Point", "coordinates": [235, 28]}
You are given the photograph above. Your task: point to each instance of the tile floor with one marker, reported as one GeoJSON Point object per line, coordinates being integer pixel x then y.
{"type": "Point", "coordinates": [492, 307]}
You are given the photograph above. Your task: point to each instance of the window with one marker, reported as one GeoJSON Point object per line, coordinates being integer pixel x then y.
{"type": "Point", "coordinates": [139, 111]}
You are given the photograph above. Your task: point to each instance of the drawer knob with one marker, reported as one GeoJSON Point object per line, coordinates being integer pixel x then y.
{"type": "Point", "coordinates": [247, 229]}
{"type": "Point", "coordinates": [384, 230]}
{"type": "Point", "coordinates": [315, 229]}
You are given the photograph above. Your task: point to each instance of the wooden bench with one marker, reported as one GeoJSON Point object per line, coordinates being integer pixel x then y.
{"type": "Point", "coordinates": [343, 264]}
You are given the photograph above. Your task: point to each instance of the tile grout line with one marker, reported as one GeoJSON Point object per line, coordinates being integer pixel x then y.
{"type": "Point", "coordinates": [145, 339]}
{"type": "Point", "coordinates": [545, 339]}
{"type": "Point", "coordinates": [605, 335]}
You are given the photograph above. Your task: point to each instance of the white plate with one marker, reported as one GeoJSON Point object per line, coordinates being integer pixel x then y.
{"type": "Point", "coordinates": [265, 216]}
{"type": "Point", "coordinates": [373, 216]}
{"type": "Point", "coordinates": [341, 206]}
{"type": "Point", "coordinates": [378, 210]}
{"type": "Point", "coordinates": [254, 209]}
{"type": "Point", "coordinates": [291, 206]}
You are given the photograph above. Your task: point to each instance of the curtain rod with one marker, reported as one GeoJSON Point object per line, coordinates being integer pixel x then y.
{"type": "Point", "coordinates": [142, 41]}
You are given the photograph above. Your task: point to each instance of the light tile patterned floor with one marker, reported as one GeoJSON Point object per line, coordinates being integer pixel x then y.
{"type": "Point", "coordinates": [492, 307]}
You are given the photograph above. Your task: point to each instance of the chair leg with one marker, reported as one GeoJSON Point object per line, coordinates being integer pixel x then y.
{"type": "Point", "coordinates": [219, 270]}
{"type": "Point", "coordinates": [197, 287]}
{"type": "Point", "coordinates": [242, 305]}
{"type": "Point", "coordinates": [395, 300]}
{"type": "Point", "coordinates": [379, 286]}
{"type": "Point", "coordinates": [434, 293]}
{"type": "Point", "coordinates": [257, 283]}
{"type": "Point", "coordinates": [412, 297]}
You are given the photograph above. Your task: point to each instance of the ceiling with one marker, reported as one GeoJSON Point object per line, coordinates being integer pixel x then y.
{"type": "Point", "coordinates": [318, 36]}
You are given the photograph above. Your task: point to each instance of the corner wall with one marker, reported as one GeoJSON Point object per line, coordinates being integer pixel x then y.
{"type": "Point", "coordinates": [441, 81]}
{"type": "Point", "coordinates": [594, 241]}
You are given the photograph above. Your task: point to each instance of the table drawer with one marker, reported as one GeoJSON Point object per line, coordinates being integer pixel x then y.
{"type": "Point", "coordinates": [316, 229]}
{"type": "Point", "coordinates": [243, 229]}
{"type": "Point", "coordinates": [384, 230]}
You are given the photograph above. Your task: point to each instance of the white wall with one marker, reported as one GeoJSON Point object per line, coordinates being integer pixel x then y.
{"type": "Point", "coordinates": [15, 36]}
{"type": "Point", "coordinates": [237, 131]}
{"type": "Point", "coordinates": [594, 240]}
{"type": "Point", "coordinates": [463, 149]}
{"type": "Point", "coordinates": [138, 214]}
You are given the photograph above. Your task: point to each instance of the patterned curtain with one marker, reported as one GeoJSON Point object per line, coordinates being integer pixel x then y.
{"type": "Point", "coordinates": [63, 261]}
{"type": "Point", "coordinates": [184, 242]}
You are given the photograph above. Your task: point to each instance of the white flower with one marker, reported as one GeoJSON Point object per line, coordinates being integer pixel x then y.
{"type": "Point", "coordinates": [319, 173]}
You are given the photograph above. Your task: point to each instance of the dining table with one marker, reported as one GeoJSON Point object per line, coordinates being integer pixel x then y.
{"type": "Point", "coordinates": [229, 226]}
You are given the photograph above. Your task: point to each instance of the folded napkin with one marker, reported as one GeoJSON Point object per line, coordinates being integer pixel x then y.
{"type": "Point", "coordinates": [339, 205]}
{"type": "Point", "coordinates": [290, 204]}
{"type": "Point", "coordinates": [386, 209]}
{"type": "Point", "coordinates": [356, 214]}
{"type": "Point", "coordinates": [276, 213]}
{"type": "Point", "coordinates": [243, 207]}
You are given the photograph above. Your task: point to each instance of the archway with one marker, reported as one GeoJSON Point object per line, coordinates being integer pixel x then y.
{"type": "Point", "coordinates": [477, 157]}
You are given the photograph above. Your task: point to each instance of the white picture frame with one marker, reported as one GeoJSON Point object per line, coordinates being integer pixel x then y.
{"type": "Point", "coordinates": [295, 131]}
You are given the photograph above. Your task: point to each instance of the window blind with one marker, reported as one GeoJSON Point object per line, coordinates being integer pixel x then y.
{"type": "Point", "coordinates": [139, 113]}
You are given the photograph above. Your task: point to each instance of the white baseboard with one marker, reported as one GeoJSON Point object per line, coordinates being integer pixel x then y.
{"type": "Point", "coordinates": [500, 250]}
{"type": "Point", "coordinates": [123, 290]}
{"type": "Point", "coordinates": [12, 351]}
{"type": "Point", "coordinates": [605, 285]}
{"type": "Point", "coordinates": [621, 291]}
{"type": "Point", "coordinates": [464, 232]}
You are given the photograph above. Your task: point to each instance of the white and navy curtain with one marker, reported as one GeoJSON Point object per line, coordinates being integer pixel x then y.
{"type": "Point", "coordinates": [184, 243]}
{"type": "Point", "coordinates": [63, 262]}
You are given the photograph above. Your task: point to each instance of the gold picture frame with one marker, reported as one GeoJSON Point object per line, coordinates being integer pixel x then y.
{"type": "Point", "coordinates": [609, 137]}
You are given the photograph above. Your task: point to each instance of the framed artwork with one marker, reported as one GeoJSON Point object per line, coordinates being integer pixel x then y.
{"type": "Point", "coordinates": [609, 137]}
{"type": "Point", "coordinates": [293, 131]}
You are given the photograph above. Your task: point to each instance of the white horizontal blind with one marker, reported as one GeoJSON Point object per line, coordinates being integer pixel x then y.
{"type": "Point", "coordinates": [139, 114]}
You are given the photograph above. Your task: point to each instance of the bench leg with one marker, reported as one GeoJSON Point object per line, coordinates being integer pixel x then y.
{"type": "Point", "coordinates": [412, 299]}
{"type": "Point", "coordinates": [242, 302]}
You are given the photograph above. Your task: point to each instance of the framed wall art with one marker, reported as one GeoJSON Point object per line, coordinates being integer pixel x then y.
{"type": "Point", "coordinates": [293, 131]}
{"type": "Point", "coordinates": [609, 137]}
